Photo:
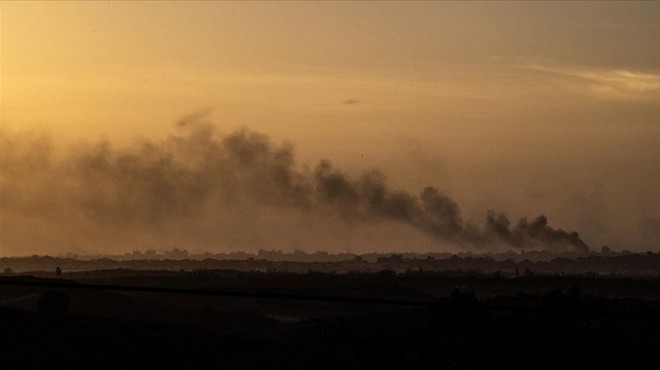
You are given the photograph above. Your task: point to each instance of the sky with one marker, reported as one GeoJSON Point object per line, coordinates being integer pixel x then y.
{"type": "Point", "coordinates": [527, 109]}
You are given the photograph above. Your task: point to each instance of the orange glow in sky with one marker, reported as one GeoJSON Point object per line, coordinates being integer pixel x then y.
{"type": "Point", "coordinates": [523, 107]}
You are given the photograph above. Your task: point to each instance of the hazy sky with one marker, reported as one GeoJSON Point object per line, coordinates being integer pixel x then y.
{"type": "Point", "coordinates": [523, 108]}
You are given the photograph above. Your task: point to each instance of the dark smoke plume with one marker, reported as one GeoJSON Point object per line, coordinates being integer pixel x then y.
{"type": "Point", "coordinates": [525, 233]}
{"type": "Point", "coordinates": [431, 212]}
{"type": "Point", "coordinates": [196, 173]}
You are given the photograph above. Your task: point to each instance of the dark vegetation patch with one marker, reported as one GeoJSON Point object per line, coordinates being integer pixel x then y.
{"type": "Point", "coordinates": [476, 322]}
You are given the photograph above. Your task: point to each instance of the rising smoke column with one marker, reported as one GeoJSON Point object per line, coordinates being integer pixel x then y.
{"type": "Point", "coordinates": [195, 173]}
{"type": "Point", "coordinates": [432, 212]}
{"type": "Point", "coordinates": [526, 234]}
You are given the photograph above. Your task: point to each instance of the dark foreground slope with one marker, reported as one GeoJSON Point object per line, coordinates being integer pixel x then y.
{"type": "Point", "coordinates": [561, 328]}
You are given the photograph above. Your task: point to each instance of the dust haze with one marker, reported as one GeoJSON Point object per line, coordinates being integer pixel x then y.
{"type": "Point", "coordinates": [202, 190]}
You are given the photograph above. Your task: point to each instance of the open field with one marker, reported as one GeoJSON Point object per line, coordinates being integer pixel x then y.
{"type": "Point", "coordinates": [461, 320]}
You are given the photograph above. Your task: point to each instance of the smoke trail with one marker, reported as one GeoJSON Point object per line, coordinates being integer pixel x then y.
{"type": "Point", "coordinates": [537, 232]}
{"type": "Point", "coordinates": [194, 173]}
{"type": "Point", "coordinates": [432, 212]}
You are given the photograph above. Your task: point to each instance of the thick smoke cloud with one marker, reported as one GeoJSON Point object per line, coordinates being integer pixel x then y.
{"type": "Point", "coordinates": [196, 173]}
{"type": "Point", "coordinates": [433, 213]}
{"type": "Point", "coordinates": [526, 233]}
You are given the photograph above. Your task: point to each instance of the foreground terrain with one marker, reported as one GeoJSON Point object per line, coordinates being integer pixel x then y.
{"type": "Point", "coordinates": [453, 320]}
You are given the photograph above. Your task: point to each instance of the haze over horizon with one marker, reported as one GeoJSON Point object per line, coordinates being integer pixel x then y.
{"type": "Point", "coordinates": [522, 108]}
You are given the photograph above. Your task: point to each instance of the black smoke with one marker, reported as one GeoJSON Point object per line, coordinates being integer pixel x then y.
{"type": "Point", "coordinates": [196, 172]}
{"type": "Point", "coordinates": [431, 212]}
{"type": "Point", "coordinates": [537, 232]}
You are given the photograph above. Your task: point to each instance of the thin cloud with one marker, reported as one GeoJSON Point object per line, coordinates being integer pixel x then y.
{"type": "Point", "coordinates": [617, 83]}
{"type": "Point", "coordinates": [194, 117]}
